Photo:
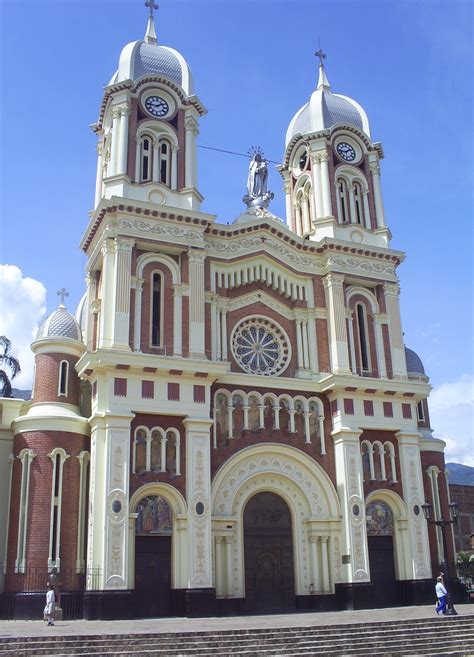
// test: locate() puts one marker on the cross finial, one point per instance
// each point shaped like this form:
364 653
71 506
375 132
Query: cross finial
322 55
151 7
62 293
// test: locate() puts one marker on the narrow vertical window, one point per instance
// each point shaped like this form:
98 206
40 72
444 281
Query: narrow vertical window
363 341
420 412
156 298
343 204
58 456
26 456
146 158
84 459
63 378
165 164
358 202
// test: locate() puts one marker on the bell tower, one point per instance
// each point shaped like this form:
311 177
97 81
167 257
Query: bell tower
331 170
147 127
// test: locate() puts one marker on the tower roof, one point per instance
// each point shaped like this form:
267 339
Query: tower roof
146 57
325 110
59 324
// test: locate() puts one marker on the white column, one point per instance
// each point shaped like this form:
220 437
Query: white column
307 432
316 162
299 344
228 564
313 542
321 434
196 260
219 566
115 141
178 320
148 453
365 196
107 309
214 427
137 161
174 167
379 210
392 302
218 334
312 339
393 467
382 464
163 441
190 174
261 416
230 422
326 190
123 143
304 330
122 292
350 321
224 334
378 321
137 284
276 415
333 284
353 217
298 227
288 203
246 409
306 222
155 169
370 451
291 413
91 295
98 179
177 443
325 562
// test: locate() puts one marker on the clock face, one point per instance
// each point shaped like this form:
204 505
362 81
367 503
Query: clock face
156 106
346 151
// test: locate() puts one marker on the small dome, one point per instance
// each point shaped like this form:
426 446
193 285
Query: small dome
60 324
325 110
414 364
141 58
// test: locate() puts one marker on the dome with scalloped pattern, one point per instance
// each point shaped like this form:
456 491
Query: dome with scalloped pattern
325 110
145 57
60 324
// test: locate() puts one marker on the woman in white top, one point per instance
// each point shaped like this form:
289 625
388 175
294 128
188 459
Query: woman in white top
441 594
48 611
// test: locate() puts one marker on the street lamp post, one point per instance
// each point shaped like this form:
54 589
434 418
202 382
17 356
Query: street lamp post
442 524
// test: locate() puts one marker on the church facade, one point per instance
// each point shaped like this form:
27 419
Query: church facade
230 422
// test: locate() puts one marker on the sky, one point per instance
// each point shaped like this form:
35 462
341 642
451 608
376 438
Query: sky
409 64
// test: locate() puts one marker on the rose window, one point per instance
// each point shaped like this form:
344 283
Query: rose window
260 347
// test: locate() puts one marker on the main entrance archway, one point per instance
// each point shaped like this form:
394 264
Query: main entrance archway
380 531
153 531
268 554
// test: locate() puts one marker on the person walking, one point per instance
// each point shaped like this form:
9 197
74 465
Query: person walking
48 611
441 594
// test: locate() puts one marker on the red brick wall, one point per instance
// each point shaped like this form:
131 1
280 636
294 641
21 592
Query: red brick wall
39 501
47 379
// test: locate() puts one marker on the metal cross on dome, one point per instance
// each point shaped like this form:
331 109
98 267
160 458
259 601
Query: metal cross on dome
322 55
62 293
151 6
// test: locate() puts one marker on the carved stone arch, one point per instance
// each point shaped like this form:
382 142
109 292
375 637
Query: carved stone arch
354 290
171 494
156 131
303 400
147 258
297 479
287 398
351 175
318 403
303 180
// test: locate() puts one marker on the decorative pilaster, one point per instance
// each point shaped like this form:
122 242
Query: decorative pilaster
196 302
288 204
392 302
123 139
137 285
191 132
333 284
98 180
107 294
198 494
178 291
114 151
380 319
316 171
123 281
379 210
325 186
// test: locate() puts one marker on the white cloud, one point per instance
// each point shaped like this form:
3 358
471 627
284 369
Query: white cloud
22 303
452 418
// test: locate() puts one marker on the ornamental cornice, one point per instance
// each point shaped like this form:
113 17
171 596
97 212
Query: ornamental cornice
258 297
166 231
352 264
246 245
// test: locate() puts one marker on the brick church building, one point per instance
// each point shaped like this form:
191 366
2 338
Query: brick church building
230 422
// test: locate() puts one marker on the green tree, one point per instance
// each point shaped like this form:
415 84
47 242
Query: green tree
10 363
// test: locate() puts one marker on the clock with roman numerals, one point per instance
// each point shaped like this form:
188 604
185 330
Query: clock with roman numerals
346 151
156 106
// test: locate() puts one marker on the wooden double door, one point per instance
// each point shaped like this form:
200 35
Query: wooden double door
152 576
268 550
382 571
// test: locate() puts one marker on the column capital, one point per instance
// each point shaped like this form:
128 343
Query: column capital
287 187
196 256
116 111
333 280
349 313
380 318
191 124
107 247
137 283
374 168
323 157
391 289
124 244
313 538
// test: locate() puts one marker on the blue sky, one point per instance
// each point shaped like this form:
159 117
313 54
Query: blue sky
409 64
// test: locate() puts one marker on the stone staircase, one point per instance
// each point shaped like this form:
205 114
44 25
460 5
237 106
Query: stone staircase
453 636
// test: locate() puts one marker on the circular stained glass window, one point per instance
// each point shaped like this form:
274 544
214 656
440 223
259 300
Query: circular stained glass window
260 346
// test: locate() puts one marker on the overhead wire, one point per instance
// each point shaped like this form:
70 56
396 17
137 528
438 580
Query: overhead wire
221 150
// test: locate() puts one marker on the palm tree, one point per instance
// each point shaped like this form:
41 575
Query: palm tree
11 363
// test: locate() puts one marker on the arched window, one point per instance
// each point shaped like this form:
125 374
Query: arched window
304 218
362 335
146 157
343 201
156 310
164 153
358 204
63 378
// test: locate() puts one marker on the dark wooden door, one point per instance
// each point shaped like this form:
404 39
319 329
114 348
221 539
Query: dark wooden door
268 545
382 570
152 576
